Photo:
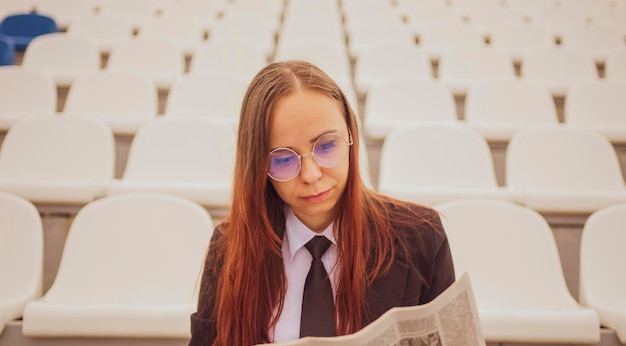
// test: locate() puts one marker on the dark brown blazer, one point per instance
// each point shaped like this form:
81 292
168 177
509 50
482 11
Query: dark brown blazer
414 279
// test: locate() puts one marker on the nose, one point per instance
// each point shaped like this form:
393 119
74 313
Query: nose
310 170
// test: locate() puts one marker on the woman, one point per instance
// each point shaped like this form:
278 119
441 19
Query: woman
297 176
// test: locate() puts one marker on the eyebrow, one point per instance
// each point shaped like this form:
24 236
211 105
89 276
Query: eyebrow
312 141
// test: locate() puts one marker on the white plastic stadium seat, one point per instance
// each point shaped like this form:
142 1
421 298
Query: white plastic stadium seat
434 163
516 39
213 96
130 268
385 63
615 68
135 12
162 61
558 69
102 30
438 38
247 28
64 11
237 58
190 157
459 69
181 31
57 160
497 109
123 100
21 256
62 55
511 255
602 279
556 19
599 106
598 41
371 33
564 170
25 93
399 103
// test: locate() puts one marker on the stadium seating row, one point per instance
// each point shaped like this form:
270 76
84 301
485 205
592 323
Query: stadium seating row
126 100
70 160
114 280
66 56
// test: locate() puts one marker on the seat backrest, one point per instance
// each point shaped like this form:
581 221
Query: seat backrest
390 62
436 155
247 27
475 63
223 56
137 249
517 38
601 257
28 24
558 64
102 30
556 19
440 37
64 11
615 68
271 10
135 12
58 149
21 249
420 15
210 95
147 56
596 103
24 90
202 13
595 39
510 253
562 158
173 28
378 30
182 150
410 100
487 16
7 50
527 7
509 102
60 51
112 93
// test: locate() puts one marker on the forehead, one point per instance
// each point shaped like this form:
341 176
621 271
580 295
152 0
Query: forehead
304 115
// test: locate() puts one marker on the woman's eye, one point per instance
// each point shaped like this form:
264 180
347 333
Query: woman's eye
326 146
283 159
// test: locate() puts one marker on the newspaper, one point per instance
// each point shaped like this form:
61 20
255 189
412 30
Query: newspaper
449 320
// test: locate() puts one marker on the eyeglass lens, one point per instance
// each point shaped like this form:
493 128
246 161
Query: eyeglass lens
328 151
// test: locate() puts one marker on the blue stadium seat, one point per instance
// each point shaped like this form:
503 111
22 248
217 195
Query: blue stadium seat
7 50
23 27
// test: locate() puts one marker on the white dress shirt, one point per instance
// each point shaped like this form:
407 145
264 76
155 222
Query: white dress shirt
297 261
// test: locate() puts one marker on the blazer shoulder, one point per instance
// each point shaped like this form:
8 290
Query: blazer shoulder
414 222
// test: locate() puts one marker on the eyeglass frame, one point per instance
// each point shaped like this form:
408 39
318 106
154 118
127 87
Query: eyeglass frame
348 141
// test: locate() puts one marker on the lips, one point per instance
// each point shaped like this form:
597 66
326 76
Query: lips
317 197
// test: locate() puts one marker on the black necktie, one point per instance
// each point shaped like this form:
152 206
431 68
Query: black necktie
317 303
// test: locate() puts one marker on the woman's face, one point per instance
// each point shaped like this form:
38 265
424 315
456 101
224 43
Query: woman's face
299 119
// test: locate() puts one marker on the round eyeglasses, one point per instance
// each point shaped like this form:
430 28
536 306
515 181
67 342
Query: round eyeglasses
329 151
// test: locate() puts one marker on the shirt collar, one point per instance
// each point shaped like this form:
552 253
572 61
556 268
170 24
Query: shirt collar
297 234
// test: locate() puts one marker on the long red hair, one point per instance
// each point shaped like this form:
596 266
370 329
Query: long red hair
251 281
